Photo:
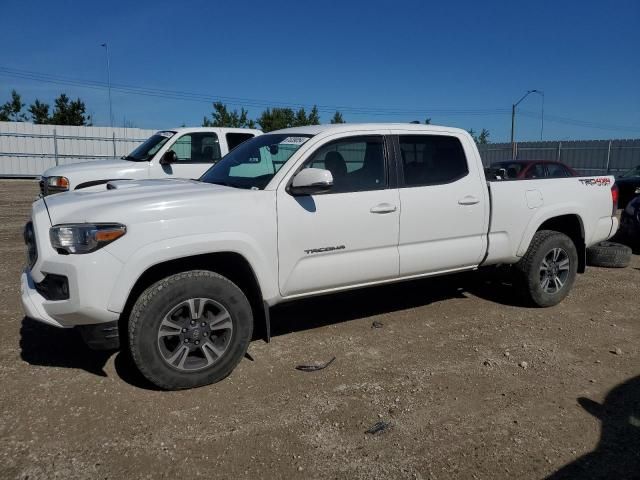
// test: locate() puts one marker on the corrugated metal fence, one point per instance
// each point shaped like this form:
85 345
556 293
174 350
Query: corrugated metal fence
27 150
590 157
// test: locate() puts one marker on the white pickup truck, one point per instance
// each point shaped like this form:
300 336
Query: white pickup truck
186 268
177 153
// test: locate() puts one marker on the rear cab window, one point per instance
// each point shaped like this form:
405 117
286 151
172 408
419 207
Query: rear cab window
236 138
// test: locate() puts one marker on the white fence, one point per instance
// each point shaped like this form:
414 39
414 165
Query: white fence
27 150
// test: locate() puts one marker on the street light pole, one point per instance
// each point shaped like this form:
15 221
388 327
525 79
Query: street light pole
542 115
513 120
106 46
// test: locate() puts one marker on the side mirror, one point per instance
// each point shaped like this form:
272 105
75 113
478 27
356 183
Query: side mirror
310 181
168 158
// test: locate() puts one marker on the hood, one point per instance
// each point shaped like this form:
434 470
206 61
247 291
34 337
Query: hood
97 165
135 201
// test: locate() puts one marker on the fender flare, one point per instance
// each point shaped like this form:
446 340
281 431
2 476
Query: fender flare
175 248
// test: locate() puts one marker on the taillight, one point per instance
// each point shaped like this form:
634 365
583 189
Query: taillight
614 199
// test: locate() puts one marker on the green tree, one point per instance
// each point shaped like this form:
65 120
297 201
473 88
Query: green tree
300 119
39 112
222 117
314 116
69 112
482 138
276 118
11 111
337 118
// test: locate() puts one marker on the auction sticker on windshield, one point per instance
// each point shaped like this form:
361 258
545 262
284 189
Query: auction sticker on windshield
294 140
166 134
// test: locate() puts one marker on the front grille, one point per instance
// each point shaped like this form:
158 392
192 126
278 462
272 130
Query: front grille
30 242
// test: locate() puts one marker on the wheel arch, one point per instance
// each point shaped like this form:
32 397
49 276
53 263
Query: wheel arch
231 265
571 225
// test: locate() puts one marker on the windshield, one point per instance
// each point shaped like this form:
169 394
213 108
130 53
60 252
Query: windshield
150 147
634 172
253 163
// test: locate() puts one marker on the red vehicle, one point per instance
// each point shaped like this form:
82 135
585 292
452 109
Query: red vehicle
523 169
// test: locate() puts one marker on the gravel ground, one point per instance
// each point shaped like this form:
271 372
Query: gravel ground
473 385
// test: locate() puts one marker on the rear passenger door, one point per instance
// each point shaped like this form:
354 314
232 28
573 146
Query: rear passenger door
444 204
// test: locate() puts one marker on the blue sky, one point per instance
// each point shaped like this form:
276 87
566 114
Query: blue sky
461 63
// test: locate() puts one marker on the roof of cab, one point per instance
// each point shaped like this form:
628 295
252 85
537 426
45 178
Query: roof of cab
349 127
211 129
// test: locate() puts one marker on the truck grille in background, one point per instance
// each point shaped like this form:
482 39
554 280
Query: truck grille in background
42 184
30 241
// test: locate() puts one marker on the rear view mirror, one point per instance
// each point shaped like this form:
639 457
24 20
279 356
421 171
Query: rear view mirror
310 181
168 158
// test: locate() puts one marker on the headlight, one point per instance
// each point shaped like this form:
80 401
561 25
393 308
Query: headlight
58 184
84 237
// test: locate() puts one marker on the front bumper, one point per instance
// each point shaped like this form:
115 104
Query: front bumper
90 279
33 302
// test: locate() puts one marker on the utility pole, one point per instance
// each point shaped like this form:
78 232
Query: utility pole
106 46
513 119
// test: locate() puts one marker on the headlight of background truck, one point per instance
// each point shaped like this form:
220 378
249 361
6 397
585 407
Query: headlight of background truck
84 237
57 184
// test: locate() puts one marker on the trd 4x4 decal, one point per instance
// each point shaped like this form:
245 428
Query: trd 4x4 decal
598 182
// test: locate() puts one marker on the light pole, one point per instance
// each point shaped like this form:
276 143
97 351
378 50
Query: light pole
541 115
106 46
513 119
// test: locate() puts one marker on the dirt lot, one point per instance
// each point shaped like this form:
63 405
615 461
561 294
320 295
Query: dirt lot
446 368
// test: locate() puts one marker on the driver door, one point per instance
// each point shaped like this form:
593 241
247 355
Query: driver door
348 235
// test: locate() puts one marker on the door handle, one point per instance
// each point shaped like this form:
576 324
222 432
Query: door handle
383 208
468 200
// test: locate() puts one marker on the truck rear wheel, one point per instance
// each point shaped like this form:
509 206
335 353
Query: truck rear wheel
547 271
189 329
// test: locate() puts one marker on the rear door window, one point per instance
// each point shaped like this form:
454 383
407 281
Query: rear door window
432 159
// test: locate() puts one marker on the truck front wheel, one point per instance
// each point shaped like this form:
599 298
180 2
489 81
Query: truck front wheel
547 271
189 329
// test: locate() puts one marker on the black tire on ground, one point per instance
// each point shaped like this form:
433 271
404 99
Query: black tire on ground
543 279
154 335
609 254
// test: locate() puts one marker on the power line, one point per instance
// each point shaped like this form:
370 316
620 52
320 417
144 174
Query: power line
246 102
579 123
258 103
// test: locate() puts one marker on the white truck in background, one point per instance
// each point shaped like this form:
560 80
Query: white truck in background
176 153
185 268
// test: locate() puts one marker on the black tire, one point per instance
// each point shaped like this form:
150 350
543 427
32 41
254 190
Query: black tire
609 254
154 307
531 273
